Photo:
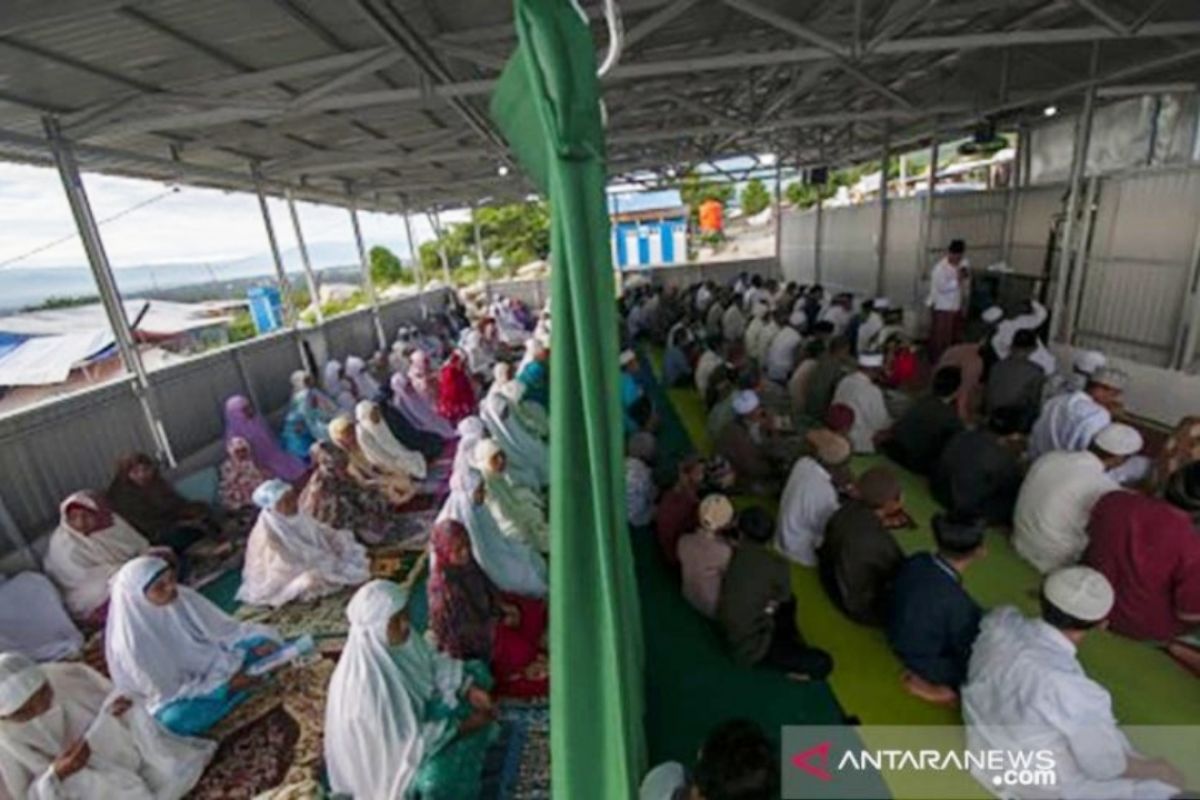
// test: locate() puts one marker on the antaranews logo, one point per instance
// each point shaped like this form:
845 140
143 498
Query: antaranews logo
930 763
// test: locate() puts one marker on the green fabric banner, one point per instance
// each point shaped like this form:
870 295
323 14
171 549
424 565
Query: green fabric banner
548 106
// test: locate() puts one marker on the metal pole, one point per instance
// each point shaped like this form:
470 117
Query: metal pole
927 218
106 284
883 209
1010 209
415 257
285 287
368 283
436 223
1081 253
1186 348
313 293
817 236
778 214
1083 136
479 258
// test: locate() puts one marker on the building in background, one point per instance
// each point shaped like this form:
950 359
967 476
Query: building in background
648 229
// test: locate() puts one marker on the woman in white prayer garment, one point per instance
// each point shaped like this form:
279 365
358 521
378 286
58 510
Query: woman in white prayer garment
33 621
403 720
64 734
292 556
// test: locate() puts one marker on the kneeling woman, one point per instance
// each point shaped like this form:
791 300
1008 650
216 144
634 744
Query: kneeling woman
172 648
291 556
65 733
403 720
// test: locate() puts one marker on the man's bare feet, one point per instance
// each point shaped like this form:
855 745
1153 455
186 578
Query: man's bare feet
929 692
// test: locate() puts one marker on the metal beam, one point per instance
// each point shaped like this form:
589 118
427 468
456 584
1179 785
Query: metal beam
899 23
436 223
106 285
883 210
789 26
368 283
367 66
290 312
314 294
655 21
1102 14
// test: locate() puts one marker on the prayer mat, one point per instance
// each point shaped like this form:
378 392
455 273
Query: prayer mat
323 619
413 528
518 764
273 741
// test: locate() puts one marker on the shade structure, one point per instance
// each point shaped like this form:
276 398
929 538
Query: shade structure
547 105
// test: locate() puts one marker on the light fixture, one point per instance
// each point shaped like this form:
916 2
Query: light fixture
502 170
671 172
1049 111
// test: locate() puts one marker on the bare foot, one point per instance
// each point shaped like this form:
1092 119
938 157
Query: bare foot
1188 656
929 692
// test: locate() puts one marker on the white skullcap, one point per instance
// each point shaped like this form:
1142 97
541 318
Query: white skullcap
797 319
716 512
1081 592
881 302
628 357
992 315
1088 361
870 360
1110 377
1118 439
745 402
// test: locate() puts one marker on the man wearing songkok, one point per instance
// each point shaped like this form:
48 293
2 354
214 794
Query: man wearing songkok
1051 516
704 554
1026 691
919 436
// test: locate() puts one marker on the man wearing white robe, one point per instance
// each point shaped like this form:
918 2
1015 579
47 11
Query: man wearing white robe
47 711
1026 691
733 323
810 497
784 348
859 391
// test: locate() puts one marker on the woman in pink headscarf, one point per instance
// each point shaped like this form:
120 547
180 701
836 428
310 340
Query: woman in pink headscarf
417 410
241 420
422 377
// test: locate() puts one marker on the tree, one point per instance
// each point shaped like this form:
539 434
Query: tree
385 266
755 198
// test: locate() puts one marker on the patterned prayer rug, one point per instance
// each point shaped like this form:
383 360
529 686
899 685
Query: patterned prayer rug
273 741
518 765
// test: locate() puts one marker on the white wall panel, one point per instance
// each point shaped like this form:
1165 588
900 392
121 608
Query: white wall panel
796 249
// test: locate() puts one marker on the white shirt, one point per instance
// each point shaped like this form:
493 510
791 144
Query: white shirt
945 290
762 342
838 316
733 324
1026 691
756 295
705 367
809 499
781 353
870 411
1051 516
869 329
1006 329
750 335
1067 422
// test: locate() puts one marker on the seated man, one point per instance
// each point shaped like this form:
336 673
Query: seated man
1149 551
859 557
1051 516
979 470
828 372
679 507
932 621
748 444
919 436
756 610
708 362
1026 690
704 554
860 391
736 761
1071 421
1016 382
810 497
785 347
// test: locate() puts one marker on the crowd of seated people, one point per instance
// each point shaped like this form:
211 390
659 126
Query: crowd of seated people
304 504
1003 438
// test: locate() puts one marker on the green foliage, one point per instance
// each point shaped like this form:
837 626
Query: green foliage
386 268
755 197
515 234
52 303
695 190
804 195
241 327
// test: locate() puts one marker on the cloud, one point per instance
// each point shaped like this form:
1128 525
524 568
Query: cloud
188 225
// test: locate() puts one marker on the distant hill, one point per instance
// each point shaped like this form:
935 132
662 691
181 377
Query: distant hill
23 287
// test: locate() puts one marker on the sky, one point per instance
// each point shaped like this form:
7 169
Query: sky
185 226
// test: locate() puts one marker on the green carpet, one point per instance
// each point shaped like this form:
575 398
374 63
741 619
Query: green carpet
1147 686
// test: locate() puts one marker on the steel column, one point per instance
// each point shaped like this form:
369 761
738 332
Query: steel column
778 214
313 292
436 223
479 257
290 314
1190 329
883 210
368 283
106 284
415 257
1083 137
817 237
1014 181
1081 254
927 216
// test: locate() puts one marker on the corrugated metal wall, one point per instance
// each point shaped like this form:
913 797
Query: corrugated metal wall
1135 283
977 218
1037 209
796 248
849 237
902 275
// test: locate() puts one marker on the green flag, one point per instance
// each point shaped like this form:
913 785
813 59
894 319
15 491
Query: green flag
548 106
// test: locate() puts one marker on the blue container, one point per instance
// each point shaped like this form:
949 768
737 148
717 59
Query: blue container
266 309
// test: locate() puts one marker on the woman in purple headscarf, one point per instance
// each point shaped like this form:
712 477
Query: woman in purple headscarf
416 409
242 420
